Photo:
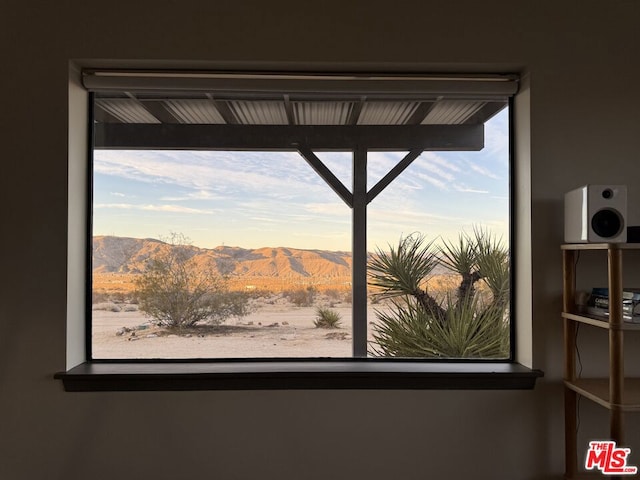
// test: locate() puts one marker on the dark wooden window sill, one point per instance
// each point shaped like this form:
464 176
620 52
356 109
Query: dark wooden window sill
296 374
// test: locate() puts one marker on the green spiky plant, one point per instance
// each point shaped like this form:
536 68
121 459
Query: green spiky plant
470 322
327 318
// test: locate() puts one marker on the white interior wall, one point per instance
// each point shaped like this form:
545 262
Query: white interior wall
581 61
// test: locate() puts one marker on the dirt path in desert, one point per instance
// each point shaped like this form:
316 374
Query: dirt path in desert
270 331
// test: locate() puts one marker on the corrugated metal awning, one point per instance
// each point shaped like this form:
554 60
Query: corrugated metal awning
198 111
255 101
296 99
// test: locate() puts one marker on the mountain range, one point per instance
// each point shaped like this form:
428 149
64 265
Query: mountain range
128 255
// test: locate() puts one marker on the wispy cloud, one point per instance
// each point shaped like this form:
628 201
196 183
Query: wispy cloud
440 184
196 195
211 175
411 217
497 135
434 158
435 170
332 209
267 219
463 189
176 209
482 170
154 208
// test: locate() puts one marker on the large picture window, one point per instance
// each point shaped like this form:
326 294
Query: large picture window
300 216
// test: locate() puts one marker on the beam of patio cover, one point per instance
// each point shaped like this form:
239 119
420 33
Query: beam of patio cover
328 176
288 137
392 174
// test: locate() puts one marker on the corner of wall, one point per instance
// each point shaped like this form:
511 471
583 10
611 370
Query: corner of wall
77 171
522 218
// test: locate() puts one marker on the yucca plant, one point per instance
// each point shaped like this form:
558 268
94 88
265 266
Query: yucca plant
401 272
327 318
467 323
492 261
469 331
462 258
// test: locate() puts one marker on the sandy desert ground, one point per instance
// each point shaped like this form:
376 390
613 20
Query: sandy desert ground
272 330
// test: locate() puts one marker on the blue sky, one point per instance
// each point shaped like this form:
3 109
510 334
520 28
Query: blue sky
274 199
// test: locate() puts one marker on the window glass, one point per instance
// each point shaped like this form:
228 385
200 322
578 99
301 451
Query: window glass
258 236
229 227
450 212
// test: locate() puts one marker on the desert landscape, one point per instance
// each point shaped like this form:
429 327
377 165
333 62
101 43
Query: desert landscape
285 286
271 330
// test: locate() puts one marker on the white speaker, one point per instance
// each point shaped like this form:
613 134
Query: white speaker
596 214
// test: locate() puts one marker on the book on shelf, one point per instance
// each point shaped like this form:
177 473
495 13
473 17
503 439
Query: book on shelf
598 304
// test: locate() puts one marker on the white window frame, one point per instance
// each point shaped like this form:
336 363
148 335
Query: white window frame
86 373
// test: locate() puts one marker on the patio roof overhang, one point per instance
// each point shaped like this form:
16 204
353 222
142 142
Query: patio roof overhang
220 111
289 137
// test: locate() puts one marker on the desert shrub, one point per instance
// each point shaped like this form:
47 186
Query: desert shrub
327 318
470 321
347 297
119 297
301 297
178 293
333 293
106 306
99 297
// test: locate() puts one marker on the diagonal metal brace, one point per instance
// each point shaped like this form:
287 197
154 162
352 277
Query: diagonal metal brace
326 174
393 174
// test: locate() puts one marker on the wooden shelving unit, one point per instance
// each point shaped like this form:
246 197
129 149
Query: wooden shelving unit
615 392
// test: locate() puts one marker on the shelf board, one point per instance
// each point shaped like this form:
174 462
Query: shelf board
600 246
600 322
597 390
